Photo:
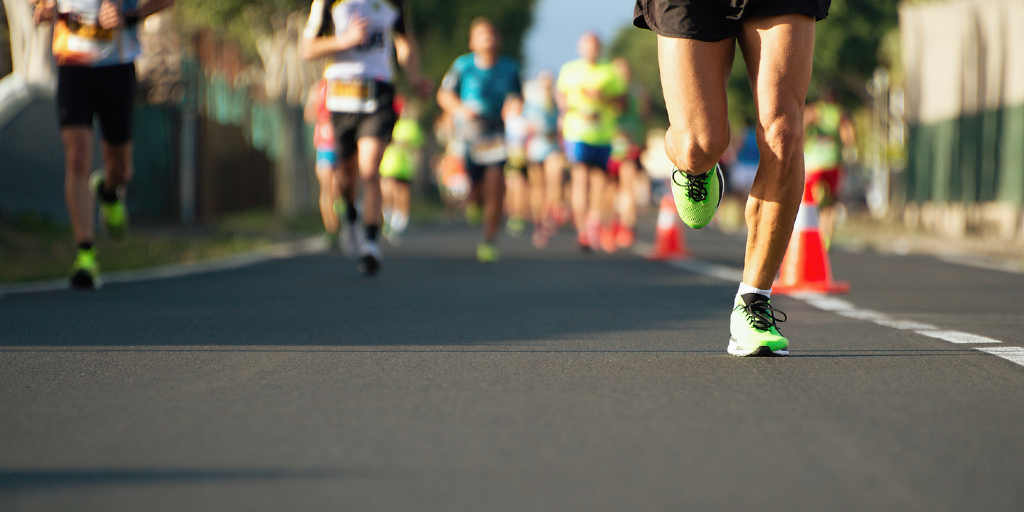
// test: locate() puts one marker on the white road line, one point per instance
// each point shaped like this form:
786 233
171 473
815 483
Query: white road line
1012 354
958 337
847 309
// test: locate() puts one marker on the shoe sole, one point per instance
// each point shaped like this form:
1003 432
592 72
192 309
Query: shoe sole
368 265
760 351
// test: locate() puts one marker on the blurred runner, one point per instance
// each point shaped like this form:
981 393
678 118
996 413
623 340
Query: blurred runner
624 166
95 44
696 50
359 37
397 170
331 204
517 197
545 171
588 90
827 132
474 92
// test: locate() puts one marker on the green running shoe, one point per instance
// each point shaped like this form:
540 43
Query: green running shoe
486 253
697 197
113 214
85 273
753 328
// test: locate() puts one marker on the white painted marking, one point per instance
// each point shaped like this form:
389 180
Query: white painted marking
1012 354
906 325
958 337
844 308
709 269
998 264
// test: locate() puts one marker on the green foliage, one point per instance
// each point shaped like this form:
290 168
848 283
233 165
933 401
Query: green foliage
240 20
442 28
846 50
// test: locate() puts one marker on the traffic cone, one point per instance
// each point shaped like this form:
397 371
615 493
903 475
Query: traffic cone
805 268
669 241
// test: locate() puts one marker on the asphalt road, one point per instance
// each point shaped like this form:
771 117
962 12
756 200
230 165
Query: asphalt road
549 381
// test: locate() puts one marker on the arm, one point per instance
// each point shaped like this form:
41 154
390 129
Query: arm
353 35
407 52
111 16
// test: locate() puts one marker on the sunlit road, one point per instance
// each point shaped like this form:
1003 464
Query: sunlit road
550 381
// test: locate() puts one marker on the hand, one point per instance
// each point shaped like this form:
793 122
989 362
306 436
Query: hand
355 32
44 11
110 16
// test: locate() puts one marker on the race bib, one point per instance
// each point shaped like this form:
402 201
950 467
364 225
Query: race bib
352 95
79 40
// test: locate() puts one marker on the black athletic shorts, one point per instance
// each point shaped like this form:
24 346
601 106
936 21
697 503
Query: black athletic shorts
106 92
715 20
349 127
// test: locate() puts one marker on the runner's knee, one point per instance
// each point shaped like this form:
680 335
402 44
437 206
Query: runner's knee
695 151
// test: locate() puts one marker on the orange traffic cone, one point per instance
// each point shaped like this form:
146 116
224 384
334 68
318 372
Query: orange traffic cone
805 268
669 241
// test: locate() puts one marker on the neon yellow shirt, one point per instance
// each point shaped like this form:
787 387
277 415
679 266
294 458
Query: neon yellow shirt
590 119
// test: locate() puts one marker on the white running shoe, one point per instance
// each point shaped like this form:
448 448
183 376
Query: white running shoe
369 258
351 239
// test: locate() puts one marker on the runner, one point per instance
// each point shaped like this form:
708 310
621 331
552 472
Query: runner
397 170
331 204
827 133
696 46
359 36
587 91
474 92
545 168
625 165
95 45
517 195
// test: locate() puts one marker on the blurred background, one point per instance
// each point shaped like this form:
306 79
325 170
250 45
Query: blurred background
934 88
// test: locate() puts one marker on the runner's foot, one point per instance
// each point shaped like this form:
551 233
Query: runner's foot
351 238
369 258
85 273
113 213
697 197
486 253
753 328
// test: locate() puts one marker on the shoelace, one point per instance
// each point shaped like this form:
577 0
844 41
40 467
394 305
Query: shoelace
696 190
761 315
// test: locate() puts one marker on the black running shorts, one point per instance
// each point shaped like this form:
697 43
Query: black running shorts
715 20
350 127
106 92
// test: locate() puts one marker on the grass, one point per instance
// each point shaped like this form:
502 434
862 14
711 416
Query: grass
34 248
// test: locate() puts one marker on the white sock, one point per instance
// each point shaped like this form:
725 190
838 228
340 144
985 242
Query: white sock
746 288
399 221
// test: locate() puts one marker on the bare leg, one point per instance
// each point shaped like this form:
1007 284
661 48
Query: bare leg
778 52
627 193
77 196
579 177
494 195
117 163
329 191
693 76
371 151
599 207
